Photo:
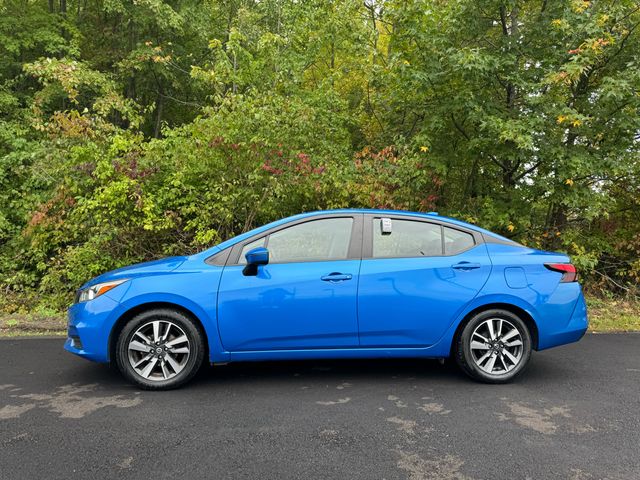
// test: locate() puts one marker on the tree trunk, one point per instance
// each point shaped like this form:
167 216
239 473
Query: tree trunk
131 86
510 30
159 107
234 87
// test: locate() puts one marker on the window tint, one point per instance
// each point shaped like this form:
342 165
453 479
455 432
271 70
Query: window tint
326 239
407 239
249 246
456 241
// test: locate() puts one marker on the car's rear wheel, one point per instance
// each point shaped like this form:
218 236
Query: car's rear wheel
160 349
494 346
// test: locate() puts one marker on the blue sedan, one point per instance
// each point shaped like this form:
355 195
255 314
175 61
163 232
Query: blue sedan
333 284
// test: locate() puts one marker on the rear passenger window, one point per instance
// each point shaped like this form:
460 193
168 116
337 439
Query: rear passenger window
456 241
407 239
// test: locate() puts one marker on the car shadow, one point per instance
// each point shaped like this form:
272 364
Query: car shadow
374 370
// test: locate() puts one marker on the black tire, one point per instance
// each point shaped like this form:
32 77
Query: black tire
192 364
466 360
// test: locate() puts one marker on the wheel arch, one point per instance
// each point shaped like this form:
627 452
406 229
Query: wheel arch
143 307
516 310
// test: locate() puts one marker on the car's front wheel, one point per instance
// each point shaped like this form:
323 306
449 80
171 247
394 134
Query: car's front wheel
160 349
494 346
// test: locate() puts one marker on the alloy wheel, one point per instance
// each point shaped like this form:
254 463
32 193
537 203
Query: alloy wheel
158 350
496 346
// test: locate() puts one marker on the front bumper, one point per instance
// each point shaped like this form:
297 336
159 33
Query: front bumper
88 328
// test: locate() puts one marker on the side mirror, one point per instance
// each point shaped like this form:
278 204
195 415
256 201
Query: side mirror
255 257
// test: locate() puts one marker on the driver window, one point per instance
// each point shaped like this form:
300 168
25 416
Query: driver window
316 240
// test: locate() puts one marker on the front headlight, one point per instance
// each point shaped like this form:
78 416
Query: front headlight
96 290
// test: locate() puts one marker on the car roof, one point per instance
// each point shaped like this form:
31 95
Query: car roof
432 215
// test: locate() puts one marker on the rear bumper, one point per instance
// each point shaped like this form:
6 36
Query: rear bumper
88 328
573 331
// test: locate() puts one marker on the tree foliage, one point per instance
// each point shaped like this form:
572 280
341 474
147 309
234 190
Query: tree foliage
135 129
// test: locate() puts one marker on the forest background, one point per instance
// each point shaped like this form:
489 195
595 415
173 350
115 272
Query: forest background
136 129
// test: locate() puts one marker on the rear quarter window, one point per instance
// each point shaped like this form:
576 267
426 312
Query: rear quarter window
456 241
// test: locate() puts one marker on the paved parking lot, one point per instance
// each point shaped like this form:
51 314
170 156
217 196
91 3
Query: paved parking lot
575 414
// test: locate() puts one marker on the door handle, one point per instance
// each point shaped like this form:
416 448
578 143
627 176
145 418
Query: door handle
336 277
464 266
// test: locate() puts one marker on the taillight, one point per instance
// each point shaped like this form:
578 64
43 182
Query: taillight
569 273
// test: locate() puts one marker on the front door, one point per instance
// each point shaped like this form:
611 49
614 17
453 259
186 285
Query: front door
305 297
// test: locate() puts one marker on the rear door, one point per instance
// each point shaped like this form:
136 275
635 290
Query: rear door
416 277
305 298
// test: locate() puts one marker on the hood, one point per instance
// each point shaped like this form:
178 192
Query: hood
155 267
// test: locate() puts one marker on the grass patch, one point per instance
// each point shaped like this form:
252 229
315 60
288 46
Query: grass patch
17 324
613 315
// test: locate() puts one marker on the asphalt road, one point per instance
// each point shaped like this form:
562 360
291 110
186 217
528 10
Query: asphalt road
575 414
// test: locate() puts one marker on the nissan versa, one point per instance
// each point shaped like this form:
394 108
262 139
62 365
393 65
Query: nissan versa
333 284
